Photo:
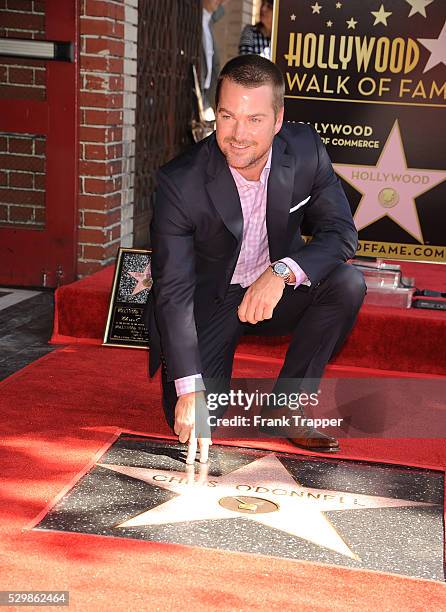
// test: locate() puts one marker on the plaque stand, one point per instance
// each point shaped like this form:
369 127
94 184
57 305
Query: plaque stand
385 284
126 322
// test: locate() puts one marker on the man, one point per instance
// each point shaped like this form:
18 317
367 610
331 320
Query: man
225 211
213 10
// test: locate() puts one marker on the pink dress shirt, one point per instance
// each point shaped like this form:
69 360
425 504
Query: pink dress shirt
254 258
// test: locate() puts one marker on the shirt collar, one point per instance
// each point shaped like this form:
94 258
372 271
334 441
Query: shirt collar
244 183
206 16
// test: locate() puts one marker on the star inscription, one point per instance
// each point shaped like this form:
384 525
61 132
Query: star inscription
351 24
381 15
329 23
418 7
316 8
293 17
437 47
338 5
390 188
275 499
144 279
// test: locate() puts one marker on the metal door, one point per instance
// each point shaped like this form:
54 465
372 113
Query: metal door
38 143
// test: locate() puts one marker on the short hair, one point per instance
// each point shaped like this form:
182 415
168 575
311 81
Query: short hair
253 71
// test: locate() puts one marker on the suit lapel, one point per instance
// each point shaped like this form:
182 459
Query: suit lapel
224 195
223 192
280 191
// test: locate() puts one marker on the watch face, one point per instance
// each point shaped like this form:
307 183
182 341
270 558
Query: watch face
281 268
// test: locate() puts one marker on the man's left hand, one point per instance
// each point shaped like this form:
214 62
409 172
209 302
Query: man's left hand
261 298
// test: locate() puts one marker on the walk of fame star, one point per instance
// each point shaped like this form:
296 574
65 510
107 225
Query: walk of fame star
262 491
390 188
144 279
437 48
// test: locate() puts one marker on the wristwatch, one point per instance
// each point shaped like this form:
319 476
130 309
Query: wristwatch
282 270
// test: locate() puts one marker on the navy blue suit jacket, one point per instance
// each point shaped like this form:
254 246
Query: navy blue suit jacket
197 229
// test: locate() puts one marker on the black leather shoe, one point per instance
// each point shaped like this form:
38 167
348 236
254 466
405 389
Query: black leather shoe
279 422
312 439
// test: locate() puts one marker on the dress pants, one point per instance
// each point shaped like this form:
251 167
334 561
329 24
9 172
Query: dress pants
319 318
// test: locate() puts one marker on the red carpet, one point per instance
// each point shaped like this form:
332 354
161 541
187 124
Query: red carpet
60 411
384 338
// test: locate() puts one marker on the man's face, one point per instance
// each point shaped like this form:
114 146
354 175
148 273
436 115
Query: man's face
246 126
266 15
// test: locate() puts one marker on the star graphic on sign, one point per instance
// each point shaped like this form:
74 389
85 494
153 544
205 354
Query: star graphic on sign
351 23
338 5
381 15
437 47
418 6
144 280
262 491
329 24
293 17
316 8
390 188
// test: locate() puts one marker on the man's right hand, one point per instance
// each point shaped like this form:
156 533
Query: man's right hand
192 425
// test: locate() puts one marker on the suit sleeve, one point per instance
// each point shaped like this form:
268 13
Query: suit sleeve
334 235
173 273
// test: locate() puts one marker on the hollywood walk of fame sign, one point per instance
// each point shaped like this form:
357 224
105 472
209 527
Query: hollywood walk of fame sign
370 77
132 282
340 512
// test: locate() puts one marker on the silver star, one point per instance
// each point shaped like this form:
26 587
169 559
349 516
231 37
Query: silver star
329 24
316 8
293 17
297 510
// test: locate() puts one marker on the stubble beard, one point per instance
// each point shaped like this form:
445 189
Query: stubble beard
250 162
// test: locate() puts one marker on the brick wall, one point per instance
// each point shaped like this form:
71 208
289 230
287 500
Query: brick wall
107 107
22 19
129 120
107 102
227 30
22 78
22 180
22 156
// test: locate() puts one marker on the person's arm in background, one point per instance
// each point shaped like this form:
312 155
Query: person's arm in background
246 44
218 13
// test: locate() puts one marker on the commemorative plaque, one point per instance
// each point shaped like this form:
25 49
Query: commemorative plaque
131 287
